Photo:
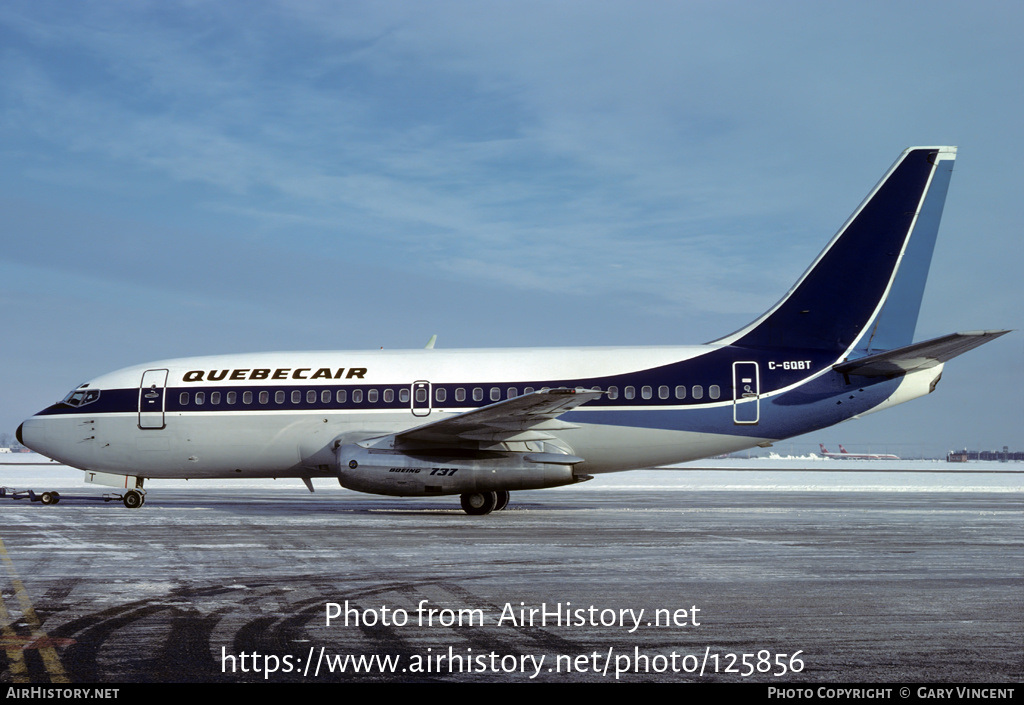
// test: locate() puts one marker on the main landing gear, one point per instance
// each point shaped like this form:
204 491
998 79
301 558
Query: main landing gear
480 503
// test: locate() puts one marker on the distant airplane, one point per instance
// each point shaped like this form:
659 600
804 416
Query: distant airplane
482 423
844 454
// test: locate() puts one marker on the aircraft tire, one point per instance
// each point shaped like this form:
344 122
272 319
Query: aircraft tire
133 499
49 497
502 497
478 503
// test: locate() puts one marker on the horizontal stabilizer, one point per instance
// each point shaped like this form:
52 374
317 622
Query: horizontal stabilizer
918 356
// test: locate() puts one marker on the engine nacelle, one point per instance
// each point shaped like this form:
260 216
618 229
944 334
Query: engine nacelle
392 472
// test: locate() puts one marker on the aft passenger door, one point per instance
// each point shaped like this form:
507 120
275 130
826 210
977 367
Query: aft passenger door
152 391
746 393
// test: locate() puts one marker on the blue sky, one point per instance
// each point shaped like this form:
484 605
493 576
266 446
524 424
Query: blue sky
210 177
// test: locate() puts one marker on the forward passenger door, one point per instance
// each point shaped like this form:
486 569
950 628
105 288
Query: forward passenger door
152 393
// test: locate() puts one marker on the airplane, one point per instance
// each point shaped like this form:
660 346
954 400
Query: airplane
844 454
483 423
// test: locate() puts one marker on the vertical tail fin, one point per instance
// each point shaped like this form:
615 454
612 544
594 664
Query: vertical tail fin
895 323
866 285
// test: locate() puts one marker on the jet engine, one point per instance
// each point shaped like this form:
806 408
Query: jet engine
430 472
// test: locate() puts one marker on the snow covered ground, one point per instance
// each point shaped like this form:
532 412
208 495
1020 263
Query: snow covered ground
782 474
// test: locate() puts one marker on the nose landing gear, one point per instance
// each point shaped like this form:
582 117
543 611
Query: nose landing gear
133 499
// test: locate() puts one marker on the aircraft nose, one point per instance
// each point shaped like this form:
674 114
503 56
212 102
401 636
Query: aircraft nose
29 433
34 435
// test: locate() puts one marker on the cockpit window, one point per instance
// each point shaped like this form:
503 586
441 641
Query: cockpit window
81 397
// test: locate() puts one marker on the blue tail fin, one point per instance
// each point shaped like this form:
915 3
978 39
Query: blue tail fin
864 290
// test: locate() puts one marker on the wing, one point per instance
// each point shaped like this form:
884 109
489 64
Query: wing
524 418
500 447
930 353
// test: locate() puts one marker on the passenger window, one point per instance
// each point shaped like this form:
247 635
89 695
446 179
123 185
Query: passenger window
279 396
232 397
714 392
698 391
512 393
403 395
421 395
613 392
357 396
341 396
680 391
663 392
215 397
296 396
325 396
200 398
629 392
495 394
264 397
389 395
371 396
183 398
247 397
460 394
528 390
311 396
440 394
645 392
478 394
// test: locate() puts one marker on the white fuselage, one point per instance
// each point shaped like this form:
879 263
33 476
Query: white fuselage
282 414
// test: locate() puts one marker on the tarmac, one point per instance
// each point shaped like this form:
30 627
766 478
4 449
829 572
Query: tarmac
716 575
